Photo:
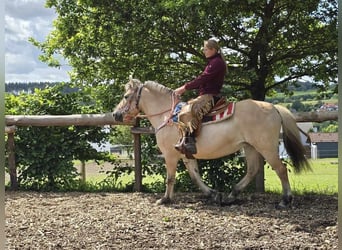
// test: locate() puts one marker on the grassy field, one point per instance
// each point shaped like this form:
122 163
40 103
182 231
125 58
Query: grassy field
323 179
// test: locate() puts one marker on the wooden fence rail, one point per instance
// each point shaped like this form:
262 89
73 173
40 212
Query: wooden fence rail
63 120
107 119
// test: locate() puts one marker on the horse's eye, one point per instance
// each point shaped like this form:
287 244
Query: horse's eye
126 96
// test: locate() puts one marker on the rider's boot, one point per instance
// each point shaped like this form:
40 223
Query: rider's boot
190 144
187 143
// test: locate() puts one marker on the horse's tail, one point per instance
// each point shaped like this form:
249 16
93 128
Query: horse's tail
292 142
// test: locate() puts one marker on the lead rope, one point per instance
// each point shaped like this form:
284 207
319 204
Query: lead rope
173 105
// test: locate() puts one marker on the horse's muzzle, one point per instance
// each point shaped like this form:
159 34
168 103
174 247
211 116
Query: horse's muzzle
118 116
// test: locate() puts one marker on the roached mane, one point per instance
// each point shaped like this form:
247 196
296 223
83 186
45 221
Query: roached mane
157 87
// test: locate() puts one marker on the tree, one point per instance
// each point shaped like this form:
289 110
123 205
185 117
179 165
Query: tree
332 128
268 44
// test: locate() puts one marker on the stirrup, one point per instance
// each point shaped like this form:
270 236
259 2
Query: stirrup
180 144
187 145
191 147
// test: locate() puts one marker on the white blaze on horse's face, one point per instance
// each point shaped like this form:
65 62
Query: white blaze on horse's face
127 109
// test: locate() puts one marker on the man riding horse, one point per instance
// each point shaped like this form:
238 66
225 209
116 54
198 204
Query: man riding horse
209 84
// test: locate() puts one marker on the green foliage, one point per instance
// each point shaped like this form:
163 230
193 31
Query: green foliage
331 128
269 44
122 135
44 155
327 127
222 174
111 182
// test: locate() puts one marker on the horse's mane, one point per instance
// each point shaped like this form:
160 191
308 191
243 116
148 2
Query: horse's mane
157 87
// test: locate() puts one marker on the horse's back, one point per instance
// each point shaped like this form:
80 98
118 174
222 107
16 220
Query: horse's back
257 118
250 104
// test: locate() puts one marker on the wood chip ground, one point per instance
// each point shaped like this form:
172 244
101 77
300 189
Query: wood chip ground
134 221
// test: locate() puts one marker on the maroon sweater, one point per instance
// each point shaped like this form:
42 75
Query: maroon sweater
211 79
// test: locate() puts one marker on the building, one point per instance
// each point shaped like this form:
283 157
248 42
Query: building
328 107
324 145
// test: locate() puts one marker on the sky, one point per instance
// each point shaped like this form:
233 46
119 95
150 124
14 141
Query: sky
25 19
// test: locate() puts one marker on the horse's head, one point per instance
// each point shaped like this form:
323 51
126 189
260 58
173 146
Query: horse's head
128 108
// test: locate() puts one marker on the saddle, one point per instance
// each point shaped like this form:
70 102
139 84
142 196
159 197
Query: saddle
220 111
219 107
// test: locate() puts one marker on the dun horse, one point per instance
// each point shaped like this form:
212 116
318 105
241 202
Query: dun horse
255 127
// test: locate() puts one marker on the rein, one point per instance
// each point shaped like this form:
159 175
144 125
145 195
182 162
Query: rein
173 105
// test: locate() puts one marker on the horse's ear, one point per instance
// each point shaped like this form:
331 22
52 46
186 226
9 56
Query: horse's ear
133 83
130 83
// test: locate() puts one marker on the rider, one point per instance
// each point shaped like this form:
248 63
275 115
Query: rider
208 84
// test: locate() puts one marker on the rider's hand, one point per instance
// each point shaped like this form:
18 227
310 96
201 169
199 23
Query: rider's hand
179 91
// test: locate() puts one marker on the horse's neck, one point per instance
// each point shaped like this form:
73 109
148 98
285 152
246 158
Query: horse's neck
157 106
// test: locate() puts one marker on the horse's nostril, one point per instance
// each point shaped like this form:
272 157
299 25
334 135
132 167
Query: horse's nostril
118 116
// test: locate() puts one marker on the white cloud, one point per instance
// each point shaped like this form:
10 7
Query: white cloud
25 19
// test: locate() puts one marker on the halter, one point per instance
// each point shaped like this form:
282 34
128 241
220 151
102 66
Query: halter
139 96
173 105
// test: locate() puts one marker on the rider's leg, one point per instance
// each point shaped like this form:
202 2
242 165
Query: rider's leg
187 141
189 120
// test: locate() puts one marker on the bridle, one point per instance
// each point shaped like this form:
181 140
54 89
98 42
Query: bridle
173 105
138 96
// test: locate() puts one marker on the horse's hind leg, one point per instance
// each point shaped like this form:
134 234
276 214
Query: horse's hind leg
254 160
192 167
281 170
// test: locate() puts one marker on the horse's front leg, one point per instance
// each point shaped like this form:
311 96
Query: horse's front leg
171 167
192 166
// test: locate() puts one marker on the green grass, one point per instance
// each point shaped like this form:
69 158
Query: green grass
125 179
323 179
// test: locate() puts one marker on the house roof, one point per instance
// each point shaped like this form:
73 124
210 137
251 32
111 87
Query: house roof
305 126
323 137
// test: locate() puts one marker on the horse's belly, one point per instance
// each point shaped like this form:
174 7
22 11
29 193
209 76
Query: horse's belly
212 143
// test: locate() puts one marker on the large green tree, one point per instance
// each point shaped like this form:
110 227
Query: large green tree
268 43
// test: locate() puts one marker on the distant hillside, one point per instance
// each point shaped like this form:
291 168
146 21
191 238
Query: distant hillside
304 94
18 87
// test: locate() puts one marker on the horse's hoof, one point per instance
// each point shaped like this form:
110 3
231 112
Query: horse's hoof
217 198
229 201
281 206
163 201
286 203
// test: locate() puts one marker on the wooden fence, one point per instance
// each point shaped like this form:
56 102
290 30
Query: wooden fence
107 119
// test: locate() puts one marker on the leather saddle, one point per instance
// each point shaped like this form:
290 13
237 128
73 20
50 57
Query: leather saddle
219 107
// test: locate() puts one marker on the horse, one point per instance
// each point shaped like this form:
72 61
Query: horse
255 128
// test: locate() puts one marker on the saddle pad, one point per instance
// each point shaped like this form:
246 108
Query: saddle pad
176 111
225 114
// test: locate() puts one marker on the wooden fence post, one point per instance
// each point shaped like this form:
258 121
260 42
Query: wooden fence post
11 162
260 178
137 160
83 171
